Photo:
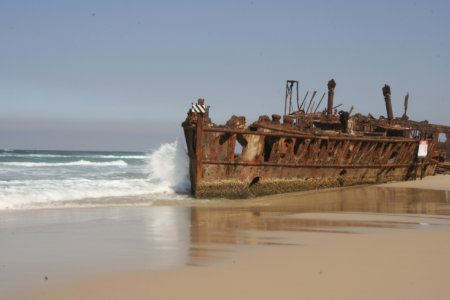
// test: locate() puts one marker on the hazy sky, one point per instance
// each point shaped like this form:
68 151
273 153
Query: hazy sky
121 75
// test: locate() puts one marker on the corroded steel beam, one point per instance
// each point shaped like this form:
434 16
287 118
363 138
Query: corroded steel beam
311 165
331 86
387 99
292 133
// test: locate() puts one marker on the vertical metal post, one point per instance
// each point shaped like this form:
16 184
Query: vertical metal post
199 146
405 116
387 99
331 86
288 96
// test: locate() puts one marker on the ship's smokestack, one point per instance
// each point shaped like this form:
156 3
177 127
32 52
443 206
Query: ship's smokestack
331 86
387 99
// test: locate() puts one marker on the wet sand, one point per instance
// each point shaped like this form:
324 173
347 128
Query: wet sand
378 242
438 182
388 265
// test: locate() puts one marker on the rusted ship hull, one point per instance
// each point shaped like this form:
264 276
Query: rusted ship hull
269 157
292 162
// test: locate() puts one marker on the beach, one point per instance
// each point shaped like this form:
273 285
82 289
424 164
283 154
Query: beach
209 150
387 241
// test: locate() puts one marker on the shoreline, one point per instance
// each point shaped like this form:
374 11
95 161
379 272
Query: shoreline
436 182
251 251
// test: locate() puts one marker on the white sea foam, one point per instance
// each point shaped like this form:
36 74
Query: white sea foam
34 155
117 163
169 167
26 194
123 156
163 176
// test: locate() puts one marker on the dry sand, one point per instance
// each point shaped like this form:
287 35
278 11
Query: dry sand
408 260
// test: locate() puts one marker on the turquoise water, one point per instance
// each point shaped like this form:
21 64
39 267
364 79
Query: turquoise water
46 178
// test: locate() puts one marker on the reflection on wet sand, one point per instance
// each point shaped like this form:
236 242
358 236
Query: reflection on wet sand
239 223
366 199
65 244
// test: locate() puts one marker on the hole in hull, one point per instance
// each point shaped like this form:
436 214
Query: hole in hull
254 181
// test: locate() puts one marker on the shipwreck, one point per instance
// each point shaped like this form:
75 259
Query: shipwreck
307 149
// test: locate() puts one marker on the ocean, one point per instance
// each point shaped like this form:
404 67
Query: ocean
45 178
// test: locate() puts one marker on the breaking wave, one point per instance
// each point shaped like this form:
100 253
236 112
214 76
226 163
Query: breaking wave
169 167
159 174
117 163
10 154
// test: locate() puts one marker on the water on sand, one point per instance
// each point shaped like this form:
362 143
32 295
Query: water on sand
39 244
